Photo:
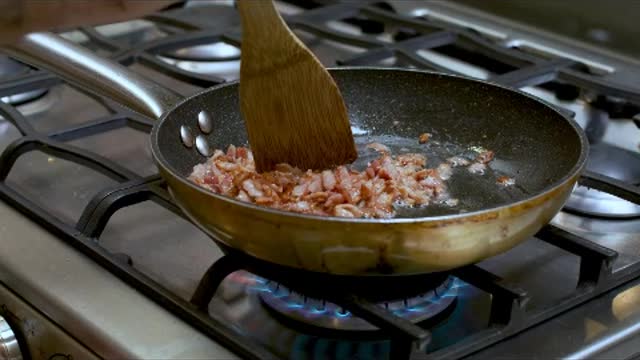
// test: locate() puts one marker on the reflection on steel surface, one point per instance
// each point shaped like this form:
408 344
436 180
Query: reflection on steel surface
626 303
9 348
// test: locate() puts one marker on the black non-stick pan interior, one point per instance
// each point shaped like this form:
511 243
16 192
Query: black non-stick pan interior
533 143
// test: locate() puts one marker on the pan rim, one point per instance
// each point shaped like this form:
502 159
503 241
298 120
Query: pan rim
575 170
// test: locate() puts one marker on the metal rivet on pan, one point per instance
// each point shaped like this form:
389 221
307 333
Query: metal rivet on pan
203 146
186 136
204 121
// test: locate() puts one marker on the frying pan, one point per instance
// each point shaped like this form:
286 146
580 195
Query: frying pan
540 148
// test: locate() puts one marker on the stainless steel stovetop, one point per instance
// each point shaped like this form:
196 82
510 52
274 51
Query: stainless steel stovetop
53 289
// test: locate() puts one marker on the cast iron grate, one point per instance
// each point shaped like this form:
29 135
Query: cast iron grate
515 68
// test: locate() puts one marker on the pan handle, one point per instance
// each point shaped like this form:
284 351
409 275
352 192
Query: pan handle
100 76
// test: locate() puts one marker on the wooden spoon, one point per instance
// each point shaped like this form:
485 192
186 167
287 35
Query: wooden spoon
292 108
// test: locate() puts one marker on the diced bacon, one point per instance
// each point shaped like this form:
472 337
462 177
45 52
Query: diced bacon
366 189
342 176
413 159
300 189
263 200
214 169
334 199
419 198
452 202
384 149
354 195
456 161
225 183
243 196
301 206
242 153
385 173
316 183
216 154
250 187
239 177
226 166
320 196
431 181
506 181
209 179
387 169
231 152
382 213
370 172
485 156
328 180
445 171
199 171
287 169
387 182
419 175
347 210
384 200
378 186
283 180
477 168
375 166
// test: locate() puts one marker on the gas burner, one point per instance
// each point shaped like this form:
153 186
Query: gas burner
25 97
228 70
326 315
617 163
218 57
199 14
216 52
10 68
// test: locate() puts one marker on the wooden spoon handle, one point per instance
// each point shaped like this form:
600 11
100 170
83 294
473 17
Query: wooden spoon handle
268 44
293 110
260 18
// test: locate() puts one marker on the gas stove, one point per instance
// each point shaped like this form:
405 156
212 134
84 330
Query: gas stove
97 262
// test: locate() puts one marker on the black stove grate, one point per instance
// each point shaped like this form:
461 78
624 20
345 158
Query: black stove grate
510 67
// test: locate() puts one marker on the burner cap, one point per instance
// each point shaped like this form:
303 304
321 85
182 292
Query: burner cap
200 17
617 163
591 202
10 68
326 315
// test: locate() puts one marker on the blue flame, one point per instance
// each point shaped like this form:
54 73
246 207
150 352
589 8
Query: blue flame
315 310
457 283
454 285
260 288
448 295
261 285
292 301
404 311
294 305
416 308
